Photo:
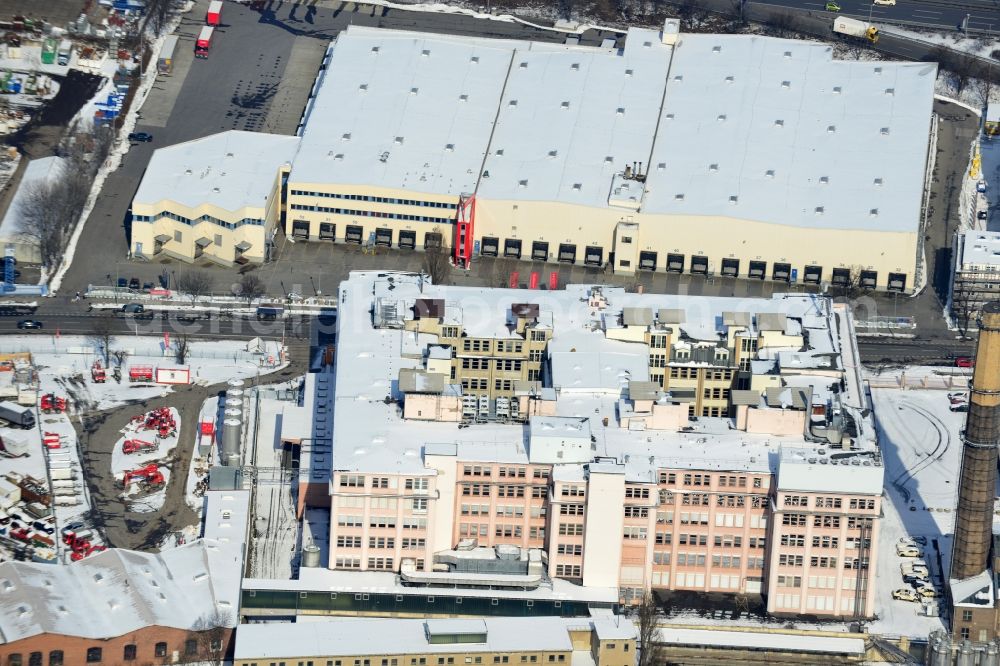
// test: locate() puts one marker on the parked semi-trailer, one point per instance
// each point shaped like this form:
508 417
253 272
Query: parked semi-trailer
214 14
204 42
18 415
855 28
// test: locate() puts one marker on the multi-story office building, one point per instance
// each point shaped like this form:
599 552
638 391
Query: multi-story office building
665 152
975 277
663 442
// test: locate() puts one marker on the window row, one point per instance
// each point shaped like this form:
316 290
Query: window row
253 221
365 197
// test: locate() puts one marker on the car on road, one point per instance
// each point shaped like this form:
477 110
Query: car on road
134 308
140 137
959 407
832 7
904 594
965 362
891 3
981 215
26 324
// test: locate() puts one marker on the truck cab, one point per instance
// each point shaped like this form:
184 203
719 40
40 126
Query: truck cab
204 42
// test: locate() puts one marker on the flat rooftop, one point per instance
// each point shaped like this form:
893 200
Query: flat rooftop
230 170
398 636
978 250
317 579
776 130
370 435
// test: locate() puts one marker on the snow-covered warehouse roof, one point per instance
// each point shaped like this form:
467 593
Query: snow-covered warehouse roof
119 591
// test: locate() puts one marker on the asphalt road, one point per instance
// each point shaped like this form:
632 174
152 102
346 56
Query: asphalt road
945 14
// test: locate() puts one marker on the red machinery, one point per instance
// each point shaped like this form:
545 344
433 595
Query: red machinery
52 404
81 547
97 373
150 476
52 440
140 373
20 534
131 446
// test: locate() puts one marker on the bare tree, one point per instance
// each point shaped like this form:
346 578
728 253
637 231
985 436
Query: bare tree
983 82
251 287
194 283
120 355
648 619
782 24
102 335
182 347
436 263
210 634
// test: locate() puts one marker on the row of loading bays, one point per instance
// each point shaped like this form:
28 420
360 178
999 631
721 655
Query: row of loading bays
699 265
355 234
594 256
512 248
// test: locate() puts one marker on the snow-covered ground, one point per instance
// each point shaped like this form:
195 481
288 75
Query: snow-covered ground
977 46
161 451
990 152
64 365
921 446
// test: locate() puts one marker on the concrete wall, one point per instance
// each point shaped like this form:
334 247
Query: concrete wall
145 233
714 237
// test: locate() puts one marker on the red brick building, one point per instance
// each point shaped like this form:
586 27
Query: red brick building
122 607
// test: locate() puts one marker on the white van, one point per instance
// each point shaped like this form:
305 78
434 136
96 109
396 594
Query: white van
891 3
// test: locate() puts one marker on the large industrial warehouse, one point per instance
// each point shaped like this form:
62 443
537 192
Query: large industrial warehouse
675 152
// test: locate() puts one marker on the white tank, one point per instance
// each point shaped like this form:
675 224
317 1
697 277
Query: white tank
310 555
234 403
232 430
234 394
235 383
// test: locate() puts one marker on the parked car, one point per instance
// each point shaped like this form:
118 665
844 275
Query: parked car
981 215
74 526
134 284
146 286
140 137
904 594
928 592
26 324
915 579
915 540
965 362
959 406
122 283
906 550
43 527
832 7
